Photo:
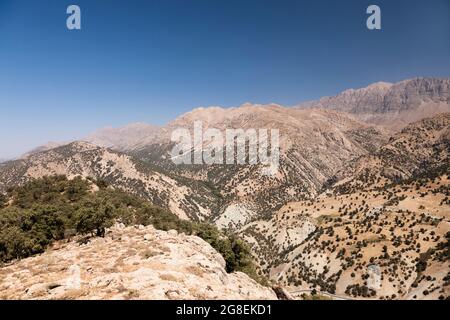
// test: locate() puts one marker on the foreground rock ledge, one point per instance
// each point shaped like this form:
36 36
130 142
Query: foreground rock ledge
129 263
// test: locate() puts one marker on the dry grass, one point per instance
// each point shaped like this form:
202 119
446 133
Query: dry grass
149 253
195 270
169 277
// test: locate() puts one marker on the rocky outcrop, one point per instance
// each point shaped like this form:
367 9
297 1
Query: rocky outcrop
391 105
129 263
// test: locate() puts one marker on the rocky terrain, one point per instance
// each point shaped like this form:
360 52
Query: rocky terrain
128 263
385 237
334 243
358 209
391 105
420 149
314 144
118 169
124 139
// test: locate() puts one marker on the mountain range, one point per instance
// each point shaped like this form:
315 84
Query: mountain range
389 105
357 206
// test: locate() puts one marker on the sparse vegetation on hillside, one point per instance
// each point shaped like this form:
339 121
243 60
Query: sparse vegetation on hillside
54 208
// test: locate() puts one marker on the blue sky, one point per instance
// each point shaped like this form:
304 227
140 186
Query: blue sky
150 61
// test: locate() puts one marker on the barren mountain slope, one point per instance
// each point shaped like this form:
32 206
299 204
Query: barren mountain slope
129 263
391 105
314 144
126 138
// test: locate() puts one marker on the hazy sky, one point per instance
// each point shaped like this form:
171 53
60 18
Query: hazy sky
150 61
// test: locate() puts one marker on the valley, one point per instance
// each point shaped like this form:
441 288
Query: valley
358 208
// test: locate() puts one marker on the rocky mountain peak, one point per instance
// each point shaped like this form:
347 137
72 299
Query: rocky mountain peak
392 106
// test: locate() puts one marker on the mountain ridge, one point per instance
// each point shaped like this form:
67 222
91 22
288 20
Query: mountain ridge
358 206
423 96
392 106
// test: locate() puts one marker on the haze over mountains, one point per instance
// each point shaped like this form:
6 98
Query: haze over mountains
360 198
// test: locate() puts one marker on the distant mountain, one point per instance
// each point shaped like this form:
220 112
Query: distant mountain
48 146
317 145
125 138
129 263
314 144
391 105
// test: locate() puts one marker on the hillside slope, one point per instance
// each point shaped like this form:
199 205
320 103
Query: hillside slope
118 170
129 263
366 237
314 144
420 149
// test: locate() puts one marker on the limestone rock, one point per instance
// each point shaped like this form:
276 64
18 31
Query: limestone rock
145 264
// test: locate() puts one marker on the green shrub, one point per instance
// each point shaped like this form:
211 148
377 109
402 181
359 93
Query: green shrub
46 209
27 232
94 213
234 251
14 244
